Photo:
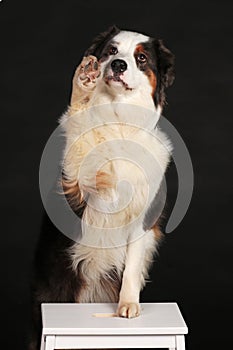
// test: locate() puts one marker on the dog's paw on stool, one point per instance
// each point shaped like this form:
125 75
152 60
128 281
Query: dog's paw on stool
128 310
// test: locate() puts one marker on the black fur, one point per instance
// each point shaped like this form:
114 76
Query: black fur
100 42
165 68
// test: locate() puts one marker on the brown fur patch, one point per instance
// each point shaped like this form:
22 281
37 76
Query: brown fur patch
157 232
139 49
148 71
73 194
152 79
104 180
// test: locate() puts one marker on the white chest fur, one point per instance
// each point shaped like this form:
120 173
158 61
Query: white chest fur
118 141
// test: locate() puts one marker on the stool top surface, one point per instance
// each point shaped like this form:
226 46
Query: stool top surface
100 319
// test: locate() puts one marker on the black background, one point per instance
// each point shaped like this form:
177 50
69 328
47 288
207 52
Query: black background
41 43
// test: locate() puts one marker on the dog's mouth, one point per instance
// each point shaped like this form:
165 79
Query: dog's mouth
116 77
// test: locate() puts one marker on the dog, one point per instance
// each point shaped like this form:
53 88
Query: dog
111 134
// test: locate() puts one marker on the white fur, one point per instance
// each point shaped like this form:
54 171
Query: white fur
113 235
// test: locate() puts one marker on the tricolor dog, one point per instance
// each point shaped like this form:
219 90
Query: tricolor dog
113 165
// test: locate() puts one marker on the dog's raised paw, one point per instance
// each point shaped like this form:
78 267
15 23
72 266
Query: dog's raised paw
87 72
128 310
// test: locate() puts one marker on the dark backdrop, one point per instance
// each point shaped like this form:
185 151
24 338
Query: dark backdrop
40 47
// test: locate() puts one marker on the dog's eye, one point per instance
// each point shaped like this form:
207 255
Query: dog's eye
141 58
113 50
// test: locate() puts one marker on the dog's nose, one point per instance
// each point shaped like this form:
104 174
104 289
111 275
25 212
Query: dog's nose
119 66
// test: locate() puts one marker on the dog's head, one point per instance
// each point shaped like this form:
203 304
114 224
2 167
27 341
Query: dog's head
132 61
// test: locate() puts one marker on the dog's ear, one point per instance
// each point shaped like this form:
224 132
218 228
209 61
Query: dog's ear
100 41
165 63
165 71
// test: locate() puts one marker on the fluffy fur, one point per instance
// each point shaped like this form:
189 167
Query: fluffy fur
119 84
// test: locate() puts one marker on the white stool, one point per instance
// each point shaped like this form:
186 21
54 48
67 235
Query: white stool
95 326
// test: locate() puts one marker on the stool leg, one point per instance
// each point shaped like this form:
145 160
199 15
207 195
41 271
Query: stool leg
180 343
50 342
42 344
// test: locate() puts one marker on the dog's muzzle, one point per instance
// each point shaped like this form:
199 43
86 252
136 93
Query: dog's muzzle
118 66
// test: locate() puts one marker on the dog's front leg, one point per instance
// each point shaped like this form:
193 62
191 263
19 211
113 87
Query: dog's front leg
128 305
84 83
